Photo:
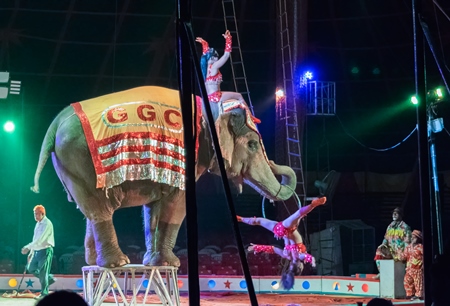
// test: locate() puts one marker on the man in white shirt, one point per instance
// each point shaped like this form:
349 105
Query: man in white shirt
41 250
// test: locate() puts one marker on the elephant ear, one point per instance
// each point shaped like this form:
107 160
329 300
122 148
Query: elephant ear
227 126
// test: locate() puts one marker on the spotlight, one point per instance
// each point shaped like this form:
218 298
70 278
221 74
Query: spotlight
9 126
435 96
414 100
308 75
279 95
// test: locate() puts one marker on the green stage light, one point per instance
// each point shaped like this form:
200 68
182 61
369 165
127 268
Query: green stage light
439 93
414 100
9 126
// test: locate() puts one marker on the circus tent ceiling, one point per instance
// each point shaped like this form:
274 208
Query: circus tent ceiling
67 51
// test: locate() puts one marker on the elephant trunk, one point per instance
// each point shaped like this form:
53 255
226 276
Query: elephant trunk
288 181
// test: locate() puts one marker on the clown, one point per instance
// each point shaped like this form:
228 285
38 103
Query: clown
294 249
396 238
413 255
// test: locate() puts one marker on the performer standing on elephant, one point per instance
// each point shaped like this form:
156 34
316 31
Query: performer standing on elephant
413 254
396 238
210 64
41 250
294 249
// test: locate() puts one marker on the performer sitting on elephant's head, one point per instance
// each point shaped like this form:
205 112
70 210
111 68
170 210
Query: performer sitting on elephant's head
210 64
294 249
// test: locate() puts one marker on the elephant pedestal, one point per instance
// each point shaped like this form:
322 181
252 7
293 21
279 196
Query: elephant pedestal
98 282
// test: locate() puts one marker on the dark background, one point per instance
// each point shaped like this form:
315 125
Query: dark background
68 51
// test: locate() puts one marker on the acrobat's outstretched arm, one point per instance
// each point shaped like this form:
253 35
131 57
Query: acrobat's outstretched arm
269 249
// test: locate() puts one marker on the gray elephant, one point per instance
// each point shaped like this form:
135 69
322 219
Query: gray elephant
140 162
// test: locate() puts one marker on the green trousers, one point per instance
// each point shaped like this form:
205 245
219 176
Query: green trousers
40 267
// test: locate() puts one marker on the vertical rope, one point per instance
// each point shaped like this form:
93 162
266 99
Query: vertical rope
114 50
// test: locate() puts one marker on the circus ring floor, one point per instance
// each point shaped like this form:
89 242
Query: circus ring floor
231 290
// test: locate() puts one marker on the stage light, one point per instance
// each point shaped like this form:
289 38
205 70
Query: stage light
9 126
435 96
279 95
414 100
355 70
308 75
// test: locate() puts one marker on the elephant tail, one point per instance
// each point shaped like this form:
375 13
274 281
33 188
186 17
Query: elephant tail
48 146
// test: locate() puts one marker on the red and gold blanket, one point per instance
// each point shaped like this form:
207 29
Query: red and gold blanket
136 134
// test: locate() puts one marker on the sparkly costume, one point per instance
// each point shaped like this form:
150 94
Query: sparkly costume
413 280
213 79
217 78
259 248
280 231
299 247
397 237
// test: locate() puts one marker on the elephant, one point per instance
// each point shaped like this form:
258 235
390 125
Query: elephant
159 190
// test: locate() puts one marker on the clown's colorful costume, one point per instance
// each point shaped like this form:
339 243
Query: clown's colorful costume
413 280
397 237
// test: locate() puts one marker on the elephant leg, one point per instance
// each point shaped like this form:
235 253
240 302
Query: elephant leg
89 245
171 216
109 254
166 238
150 213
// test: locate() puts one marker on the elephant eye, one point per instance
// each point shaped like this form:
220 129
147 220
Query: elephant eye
253 145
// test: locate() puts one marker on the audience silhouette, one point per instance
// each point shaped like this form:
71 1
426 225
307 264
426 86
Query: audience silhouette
62 297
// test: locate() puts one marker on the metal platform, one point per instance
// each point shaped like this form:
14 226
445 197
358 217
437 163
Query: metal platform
99 282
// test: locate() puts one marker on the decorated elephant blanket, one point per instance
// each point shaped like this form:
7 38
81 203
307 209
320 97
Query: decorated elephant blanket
136 134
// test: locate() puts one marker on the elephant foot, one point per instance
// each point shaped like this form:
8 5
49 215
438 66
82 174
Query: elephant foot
90 256
113 261
163 258
147 258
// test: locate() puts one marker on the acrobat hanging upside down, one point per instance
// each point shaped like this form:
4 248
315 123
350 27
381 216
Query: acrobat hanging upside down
294 249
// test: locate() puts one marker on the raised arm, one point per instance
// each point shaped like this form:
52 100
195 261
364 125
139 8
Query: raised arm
226 55
269 249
